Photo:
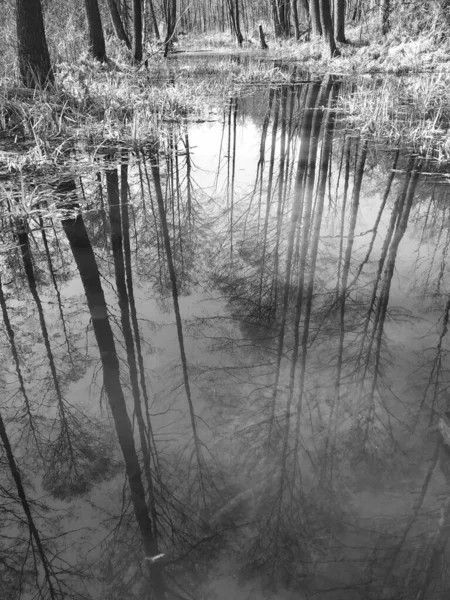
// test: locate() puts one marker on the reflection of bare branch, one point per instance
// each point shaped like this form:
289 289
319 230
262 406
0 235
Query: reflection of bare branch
413 518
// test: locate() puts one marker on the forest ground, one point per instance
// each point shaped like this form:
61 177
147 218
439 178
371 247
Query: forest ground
402 96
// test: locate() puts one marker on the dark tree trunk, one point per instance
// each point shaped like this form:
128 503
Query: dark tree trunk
34 59
339 20
96 39
385 14
137 26
117 23
149 4
80 244
262 39
233 10
327 27
171 18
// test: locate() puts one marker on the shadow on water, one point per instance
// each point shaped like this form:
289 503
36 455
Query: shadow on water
226 352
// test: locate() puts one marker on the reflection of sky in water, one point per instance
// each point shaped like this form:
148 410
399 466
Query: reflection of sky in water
231 366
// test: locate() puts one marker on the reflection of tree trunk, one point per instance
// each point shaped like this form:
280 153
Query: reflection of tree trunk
395 215
112 184
80 244
308 196
24 242
387 279
269 196
437 554
378 219
49 575
155 219
281 195
346 152
231 165
262 151
15 355
154 157
55 285
305 137
135 323
359 172
188 182
412 520
327 144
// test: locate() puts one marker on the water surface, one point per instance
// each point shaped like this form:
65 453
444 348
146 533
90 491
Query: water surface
265 295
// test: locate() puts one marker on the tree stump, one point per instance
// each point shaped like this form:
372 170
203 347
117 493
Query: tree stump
262 39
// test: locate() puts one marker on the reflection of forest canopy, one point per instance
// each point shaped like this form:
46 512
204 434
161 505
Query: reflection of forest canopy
296 420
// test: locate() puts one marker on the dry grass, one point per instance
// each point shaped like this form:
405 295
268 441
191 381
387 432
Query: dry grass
402 110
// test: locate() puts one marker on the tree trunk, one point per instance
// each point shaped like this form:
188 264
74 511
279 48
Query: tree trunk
385 13
296 21
96 39
339 20
314 13
327 27
234 20
262 39
34 59
171 18
149 4
137 26
117 23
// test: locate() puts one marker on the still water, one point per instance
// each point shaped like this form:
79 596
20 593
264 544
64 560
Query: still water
227 345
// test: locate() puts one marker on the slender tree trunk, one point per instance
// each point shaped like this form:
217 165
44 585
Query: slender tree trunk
302 165
96 39
385 16
233 10
34 59
112 183
137 27
327 27
154 20
117 23
154 157
296 20
339 20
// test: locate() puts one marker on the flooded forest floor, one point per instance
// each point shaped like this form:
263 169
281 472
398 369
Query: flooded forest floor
224 283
